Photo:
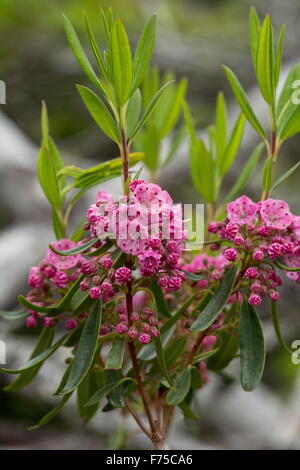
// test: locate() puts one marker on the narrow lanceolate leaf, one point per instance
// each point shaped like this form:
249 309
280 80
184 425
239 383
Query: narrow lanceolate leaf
178 314
180 389
252 348
143 53
233 145
221 127
115 356
13 315
193 276
75 251
150 108
48 179
121 62
217 302
80 55
39 359
91 383
159 298
277 328
285 103
85 351
49 416
202 171
285 175
278 56
99 112
170 107
148 352
290 126
133 111
44 125
246 173
105 390
267 174
254 32
94 46
285 267
264 61
243 101
57 225
27 376
226 352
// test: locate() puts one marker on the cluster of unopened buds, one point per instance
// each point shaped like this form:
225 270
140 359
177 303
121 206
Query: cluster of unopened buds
142 326
50 280
259 234
146 225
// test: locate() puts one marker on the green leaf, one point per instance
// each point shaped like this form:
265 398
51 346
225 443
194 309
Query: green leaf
277 328
57 225
38 359
90 384
85 352
246 173
115 396
174 146
13 315
48 179
187 412
243 101
180 389
254 32
252 347
285 267
267 174
143 53
290 123
221 127
233 145
174 350
193 276
44 125
80 55
226 352
57 161
177 315
27 376
159 298
49 416
115 356
204 356
106 389
99 112
133 111
149 110
121 62
285 103
202 171
169 114
76 250
285 175
264 61
94 46
278 56
217 302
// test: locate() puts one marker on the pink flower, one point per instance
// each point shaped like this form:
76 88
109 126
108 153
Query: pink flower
154 332
35 278
258 254
95 292
123 275
149 261
208 342
31 322
132 332
104 196
230 254
274 295
174 283
62 262
71 324
254 299
49 322
144 338
276 214
121 328
274 250
61 279
251 273
242 211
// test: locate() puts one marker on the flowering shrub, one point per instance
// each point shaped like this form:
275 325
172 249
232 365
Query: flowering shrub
146 319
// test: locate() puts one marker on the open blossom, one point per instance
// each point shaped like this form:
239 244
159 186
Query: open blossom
62 262
276 213
242 211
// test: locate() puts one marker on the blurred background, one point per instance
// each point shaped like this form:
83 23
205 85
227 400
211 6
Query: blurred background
194 38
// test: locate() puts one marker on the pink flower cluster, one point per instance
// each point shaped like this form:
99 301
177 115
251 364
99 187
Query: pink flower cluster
147 225
212 267
141 327
50 279
260 233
